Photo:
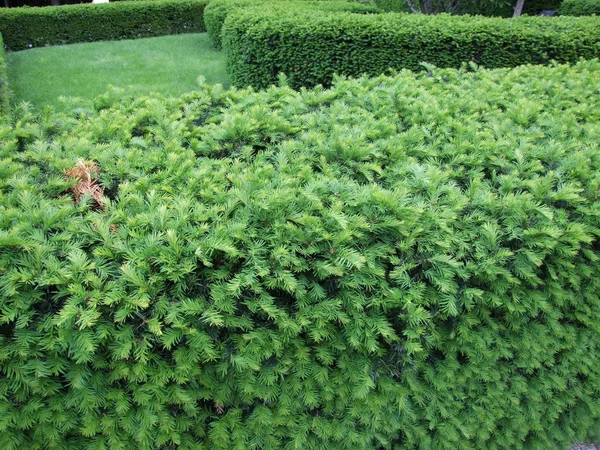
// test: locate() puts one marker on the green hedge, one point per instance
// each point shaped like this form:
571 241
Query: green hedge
218 10
309 47
37 27
580 8
4 92
480 7
408 262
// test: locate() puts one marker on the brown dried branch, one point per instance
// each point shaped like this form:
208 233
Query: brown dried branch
87 184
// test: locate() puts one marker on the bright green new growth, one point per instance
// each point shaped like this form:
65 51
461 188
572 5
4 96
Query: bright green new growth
406 262
167 64
311 46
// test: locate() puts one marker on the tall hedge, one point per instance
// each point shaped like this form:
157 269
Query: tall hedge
580 8
408 262
4 92
37 27
218 10
309 46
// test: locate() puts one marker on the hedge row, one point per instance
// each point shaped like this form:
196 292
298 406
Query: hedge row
4 92
217 11
37 27
408 262
580 8
309 46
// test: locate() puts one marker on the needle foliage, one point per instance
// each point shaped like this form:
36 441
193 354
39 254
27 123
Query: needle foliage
394 263
310 46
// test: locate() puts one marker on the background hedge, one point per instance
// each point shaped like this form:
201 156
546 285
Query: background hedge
408 262
580 8
37 27
4 92
309 47
218 10
480 7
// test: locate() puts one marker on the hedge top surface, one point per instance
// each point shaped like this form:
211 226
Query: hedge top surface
406 262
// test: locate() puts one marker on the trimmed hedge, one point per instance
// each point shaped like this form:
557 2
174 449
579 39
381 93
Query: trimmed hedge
580 8
4 91
218 10
408 262
309 47
37 27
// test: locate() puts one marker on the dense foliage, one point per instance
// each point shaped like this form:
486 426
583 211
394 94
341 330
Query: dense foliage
407 262
218 10
37 27
499 8
310 46
580 7
4 92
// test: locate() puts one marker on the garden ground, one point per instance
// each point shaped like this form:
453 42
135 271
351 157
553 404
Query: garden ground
169 65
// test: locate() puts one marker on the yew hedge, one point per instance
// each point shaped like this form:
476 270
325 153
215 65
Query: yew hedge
409 262
24 28
580 8
310 46
217 11
4 91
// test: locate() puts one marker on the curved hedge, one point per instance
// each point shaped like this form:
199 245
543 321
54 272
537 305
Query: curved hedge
408 262
309 46
218 10
38 27
580 8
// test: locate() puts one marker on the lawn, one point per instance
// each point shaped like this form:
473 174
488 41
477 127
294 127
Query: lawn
169 65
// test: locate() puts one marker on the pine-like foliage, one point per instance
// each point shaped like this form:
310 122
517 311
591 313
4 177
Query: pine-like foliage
395 263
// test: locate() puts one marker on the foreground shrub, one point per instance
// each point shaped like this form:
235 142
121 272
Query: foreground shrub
37 27
407 262
4 92
311 46
580 8
218 10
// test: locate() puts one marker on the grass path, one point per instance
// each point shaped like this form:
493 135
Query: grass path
169 65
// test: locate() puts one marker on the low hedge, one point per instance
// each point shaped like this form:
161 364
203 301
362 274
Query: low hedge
37 27
218 10
409 262
580 8
4 92
309 47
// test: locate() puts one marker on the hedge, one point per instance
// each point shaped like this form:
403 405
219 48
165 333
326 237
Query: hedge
580 8
37 27
409 262
218 10
4 92
309 47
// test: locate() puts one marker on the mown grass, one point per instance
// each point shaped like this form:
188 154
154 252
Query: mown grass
169 65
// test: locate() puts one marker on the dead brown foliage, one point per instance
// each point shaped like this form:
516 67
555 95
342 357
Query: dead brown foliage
86 174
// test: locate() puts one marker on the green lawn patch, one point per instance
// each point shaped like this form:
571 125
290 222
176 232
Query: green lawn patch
169 65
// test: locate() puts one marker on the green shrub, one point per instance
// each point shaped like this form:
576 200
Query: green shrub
505 8
37 27
580 8
4 92
311 46
408 262
218 10
393 5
